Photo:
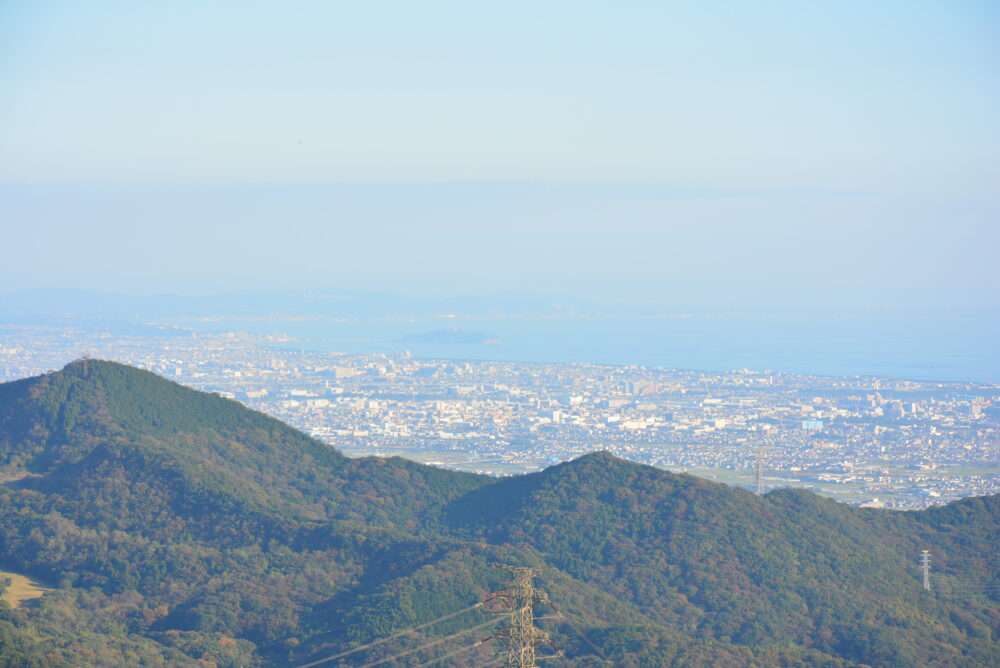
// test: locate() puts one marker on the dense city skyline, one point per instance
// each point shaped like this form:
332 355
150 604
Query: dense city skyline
880 441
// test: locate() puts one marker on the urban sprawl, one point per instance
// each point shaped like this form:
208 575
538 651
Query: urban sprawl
870 441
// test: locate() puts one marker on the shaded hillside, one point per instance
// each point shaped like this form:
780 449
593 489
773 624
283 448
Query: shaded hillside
183 526
789 568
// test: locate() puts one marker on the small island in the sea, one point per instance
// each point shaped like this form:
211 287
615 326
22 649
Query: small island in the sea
452 336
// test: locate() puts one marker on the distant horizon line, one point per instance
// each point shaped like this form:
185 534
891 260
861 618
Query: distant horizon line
531 184
704 305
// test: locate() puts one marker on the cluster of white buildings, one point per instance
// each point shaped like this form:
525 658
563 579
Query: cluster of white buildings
895 439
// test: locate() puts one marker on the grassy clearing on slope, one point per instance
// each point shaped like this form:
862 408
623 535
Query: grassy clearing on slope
22 588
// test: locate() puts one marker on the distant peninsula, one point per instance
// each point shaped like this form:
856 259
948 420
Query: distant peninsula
452 336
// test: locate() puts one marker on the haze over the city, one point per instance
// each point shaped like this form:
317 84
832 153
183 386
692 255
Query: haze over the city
779 153
396 333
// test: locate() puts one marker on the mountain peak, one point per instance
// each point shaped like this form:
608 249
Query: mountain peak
57 418
603 465
98 420
221 520
83 366
599 456
140 401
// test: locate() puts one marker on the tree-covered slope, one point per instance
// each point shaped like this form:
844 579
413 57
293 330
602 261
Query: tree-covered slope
96 416
788 568
218 517
180 526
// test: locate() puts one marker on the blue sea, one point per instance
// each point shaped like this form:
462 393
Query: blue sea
917 346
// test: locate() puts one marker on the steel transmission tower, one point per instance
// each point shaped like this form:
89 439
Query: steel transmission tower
925 563
518 633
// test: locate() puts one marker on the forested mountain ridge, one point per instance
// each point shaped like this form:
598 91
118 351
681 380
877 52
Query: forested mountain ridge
181 526
92 412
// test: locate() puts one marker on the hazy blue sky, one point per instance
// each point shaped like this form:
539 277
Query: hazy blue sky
599 148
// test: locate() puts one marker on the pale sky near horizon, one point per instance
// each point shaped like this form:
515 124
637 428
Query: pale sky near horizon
596 148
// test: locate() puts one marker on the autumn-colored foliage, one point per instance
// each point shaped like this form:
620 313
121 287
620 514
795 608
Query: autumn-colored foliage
183 529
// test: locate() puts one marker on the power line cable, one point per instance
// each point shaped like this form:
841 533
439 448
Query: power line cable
388 638
578 631
430 644
457 651
315 635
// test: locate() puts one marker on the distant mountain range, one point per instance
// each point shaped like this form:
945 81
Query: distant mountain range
452 336
182 528
332 303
